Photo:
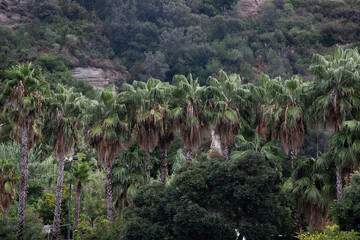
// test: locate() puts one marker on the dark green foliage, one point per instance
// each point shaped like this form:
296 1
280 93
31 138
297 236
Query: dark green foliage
68 80
53 62
142 228
45 9
280 41
208 200
47 206
102 230
346 211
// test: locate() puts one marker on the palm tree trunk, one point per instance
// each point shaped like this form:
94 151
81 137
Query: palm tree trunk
24 168
188 154
297 223
123 199
226 152
164 170
59 188
147 168
77 204
339 183
109 192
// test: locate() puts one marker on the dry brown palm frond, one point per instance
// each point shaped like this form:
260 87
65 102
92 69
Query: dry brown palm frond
227 130
293 138
146 136
334 119
191 135
316 216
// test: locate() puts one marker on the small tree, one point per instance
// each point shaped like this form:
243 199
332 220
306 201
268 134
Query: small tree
9 179
80 174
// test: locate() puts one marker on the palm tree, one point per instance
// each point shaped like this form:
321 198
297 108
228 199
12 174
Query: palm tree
284 117
346 145
80 174
269 150
145 112
108 133
9 180
24 95
313 189
128 175
224 108
167 128
64 129
336 89
187 112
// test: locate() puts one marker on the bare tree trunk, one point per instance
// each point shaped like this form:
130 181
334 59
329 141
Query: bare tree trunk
59 188
109 193
123 199
339 183
226 152
188 155
77 204
215 142
147 168
24 171
297 223
164 170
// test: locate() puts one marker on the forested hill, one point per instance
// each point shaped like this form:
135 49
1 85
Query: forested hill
122 40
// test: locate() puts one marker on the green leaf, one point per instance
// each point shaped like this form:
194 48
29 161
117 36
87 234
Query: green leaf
294 112
96 130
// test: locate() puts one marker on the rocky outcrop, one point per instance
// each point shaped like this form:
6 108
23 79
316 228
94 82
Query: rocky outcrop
13 13
99 78
248 8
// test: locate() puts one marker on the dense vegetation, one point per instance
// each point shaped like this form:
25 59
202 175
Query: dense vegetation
139 37
273 150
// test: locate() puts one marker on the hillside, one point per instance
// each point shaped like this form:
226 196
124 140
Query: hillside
103 42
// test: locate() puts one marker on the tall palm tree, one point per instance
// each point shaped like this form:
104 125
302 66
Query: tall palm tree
187 111
64 128
23 92
313 189
284 117
225 107
167 128
80 175
9 179
108 133
336 89
143 100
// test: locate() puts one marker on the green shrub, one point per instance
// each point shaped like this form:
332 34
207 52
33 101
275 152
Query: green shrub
346 211
330 233
53 62
101 230
33 228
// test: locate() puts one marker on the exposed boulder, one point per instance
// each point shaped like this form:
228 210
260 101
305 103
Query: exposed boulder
99 78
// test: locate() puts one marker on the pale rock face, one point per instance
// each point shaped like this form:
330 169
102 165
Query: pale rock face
99 78
13 13
248 7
